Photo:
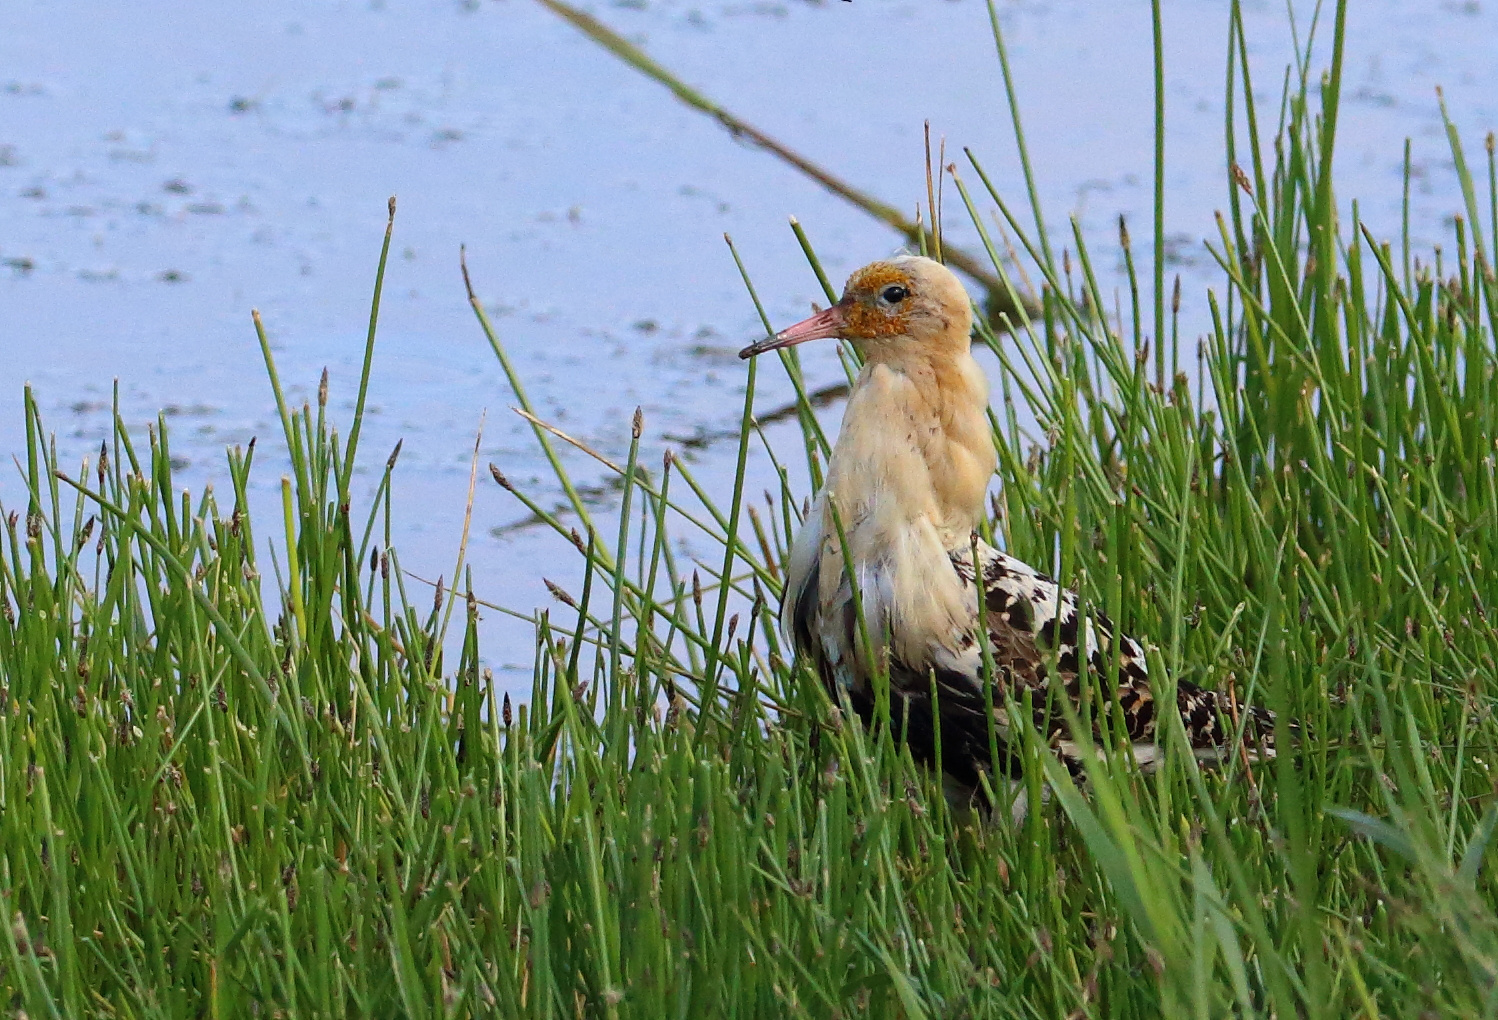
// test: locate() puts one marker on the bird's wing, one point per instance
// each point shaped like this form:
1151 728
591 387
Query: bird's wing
1033 622
819 621
798 600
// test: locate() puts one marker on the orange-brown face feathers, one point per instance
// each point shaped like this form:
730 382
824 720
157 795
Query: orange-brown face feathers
876 302
899 307
906 305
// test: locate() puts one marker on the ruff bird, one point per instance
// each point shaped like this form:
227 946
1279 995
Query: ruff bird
905 487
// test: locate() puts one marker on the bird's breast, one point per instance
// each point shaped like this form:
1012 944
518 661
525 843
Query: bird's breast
914 447
905 486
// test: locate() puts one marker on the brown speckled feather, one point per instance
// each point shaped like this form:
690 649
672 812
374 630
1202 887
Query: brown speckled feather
1031 620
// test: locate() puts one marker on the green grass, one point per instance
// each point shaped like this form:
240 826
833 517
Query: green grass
232 787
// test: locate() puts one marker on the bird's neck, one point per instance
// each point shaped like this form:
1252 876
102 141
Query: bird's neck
915 448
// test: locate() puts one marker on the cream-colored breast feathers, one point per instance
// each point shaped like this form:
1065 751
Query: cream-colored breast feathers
907 480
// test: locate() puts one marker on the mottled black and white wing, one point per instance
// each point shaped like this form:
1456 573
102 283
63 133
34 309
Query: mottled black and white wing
1033 622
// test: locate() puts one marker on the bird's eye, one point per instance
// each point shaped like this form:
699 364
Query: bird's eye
894 294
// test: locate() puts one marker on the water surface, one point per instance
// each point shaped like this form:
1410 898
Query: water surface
164 167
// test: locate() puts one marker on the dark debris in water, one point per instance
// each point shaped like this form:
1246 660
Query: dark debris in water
600 495
189 410
817 398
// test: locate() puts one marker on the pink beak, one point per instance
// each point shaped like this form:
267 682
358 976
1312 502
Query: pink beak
827 323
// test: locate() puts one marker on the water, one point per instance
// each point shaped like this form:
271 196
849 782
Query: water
164 167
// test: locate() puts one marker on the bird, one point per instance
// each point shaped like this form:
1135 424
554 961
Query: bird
893 536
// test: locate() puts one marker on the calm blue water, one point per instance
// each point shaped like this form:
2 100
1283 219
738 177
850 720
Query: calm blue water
165 167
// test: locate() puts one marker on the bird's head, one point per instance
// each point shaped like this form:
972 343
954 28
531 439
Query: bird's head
892 308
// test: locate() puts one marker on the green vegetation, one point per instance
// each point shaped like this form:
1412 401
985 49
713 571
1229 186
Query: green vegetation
224 796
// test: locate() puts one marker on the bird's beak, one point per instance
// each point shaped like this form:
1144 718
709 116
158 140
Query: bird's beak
829 322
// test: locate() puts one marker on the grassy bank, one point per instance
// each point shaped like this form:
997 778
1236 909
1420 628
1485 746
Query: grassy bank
233 785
